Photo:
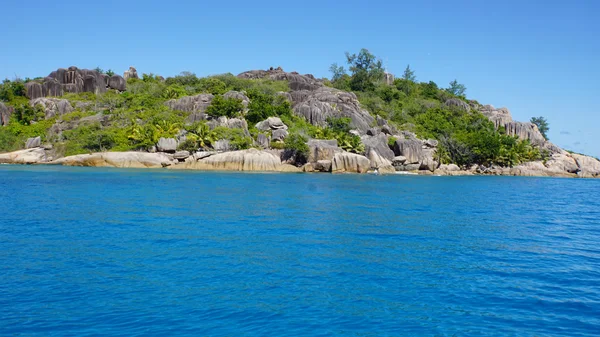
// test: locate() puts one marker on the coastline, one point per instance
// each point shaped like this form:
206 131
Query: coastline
253 160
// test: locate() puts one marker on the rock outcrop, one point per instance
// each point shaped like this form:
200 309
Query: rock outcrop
196 104
28 156
117 159
33 142
53 106
270 124
318 105
350 162
502 119
238 95
5 113
243 160
166 145
73 80
320 149
316 102
131 73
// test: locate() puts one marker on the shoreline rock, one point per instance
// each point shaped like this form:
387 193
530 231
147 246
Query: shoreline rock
252 160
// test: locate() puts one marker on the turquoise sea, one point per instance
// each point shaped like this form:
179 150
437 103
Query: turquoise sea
110 252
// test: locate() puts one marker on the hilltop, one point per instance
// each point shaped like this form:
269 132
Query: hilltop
271 120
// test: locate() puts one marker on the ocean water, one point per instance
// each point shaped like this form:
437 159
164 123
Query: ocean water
110 252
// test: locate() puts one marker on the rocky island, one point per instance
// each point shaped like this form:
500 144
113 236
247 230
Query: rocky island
271 120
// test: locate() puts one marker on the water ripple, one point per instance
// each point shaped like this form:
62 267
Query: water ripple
89 252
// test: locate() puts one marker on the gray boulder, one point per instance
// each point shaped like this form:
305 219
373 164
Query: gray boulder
263 141
322 165
33 142
378 144
388 78
197 103
166 145
238 95
271 123
5 113
523 130
412 149
51 87
117 82
181 155
279 135
455 103
320 149
53 106
131 73
34 90
350 162
319 105
373 131
500 117
222 145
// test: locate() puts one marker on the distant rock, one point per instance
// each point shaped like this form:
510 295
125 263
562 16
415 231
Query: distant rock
322 165
279 135
53 106
244 160
166 145
378 144
263 141
271 123
320 149
238 95
181 155
388 78
33 142
131 73
411 149
455 103
222 145
117 159
588 166
5 113
350 162
319 105
34 90
117 82
197 103
73 80
28 156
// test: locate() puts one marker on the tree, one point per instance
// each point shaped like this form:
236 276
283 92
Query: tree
457 89
100 70
228 107
542 125
409 74
365 68
109 72
337 72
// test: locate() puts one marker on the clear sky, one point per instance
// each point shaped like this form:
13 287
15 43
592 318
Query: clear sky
538 58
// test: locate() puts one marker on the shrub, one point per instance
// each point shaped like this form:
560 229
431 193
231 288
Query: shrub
228 107
296 145
264 105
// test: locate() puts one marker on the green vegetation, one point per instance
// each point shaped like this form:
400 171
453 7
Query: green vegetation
228 107
542 125
296 144
138 118
466 137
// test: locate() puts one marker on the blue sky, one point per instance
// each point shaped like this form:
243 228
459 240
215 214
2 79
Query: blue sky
534 57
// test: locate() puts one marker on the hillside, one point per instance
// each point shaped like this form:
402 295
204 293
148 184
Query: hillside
354 122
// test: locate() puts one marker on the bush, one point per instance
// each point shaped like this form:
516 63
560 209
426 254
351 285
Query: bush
263 106
228 107
296 145
238 140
